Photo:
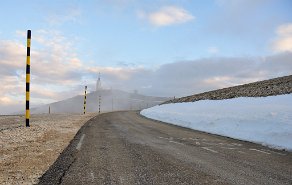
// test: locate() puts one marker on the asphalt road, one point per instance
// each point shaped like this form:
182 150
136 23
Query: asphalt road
126 148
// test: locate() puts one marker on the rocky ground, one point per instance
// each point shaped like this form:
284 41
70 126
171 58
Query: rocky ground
26 153
276 86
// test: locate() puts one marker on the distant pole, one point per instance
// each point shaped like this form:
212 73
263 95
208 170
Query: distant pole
99 102
49 109
84 106
112 104
27 96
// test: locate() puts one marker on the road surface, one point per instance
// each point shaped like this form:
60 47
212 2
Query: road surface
126 148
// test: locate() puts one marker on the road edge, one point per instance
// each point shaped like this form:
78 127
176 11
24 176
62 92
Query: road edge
58 169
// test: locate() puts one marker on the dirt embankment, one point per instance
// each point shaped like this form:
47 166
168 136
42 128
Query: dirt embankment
276 86
26 153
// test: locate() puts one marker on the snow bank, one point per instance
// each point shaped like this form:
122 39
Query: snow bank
264 120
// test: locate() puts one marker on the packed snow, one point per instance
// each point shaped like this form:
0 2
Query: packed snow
263 120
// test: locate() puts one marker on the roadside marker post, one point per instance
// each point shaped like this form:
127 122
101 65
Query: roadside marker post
112 104
99 102
84 106
27 95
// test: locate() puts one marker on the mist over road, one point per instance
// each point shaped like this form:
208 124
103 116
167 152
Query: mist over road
126 148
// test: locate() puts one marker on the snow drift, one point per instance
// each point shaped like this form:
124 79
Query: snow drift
263 120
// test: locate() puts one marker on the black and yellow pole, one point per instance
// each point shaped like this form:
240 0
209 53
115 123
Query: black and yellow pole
27 96
99 102
84 105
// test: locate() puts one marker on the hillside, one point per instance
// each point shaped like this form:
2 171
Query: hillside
111 100
276 86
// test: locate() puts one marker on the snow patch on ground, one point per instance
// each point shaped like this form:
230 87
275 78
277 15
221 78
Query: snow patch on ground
263 120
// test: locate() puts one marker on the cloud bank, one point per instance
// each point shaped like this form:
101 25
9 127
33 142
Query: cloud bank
194 76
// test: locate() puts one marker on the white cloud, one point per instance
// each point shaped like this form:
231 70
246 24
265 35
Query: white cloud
285 30
9 47
69 15
283 42
167 15
213 50
222 81
117 73
5 100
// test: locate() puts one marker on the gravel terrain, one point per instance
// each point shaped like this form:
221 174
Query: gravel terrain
276 86
11 121
26 153
126 148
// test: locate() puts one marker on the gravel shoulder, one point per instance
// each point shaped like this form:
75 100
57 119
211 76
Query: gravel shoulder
26 153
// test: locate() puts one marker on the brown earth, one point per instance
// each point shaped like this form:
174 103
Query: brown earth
26 153
276 86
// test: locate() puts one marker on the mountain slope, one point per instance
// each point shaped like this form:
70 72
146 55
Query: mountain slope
276 86
111 100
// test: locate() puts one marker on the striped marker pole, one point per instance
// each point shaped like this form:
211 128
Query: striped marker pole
112 104
84 107
27 113
99 102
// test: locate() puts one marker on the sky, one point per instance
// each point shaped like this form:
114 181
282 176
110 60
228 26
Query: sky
159 48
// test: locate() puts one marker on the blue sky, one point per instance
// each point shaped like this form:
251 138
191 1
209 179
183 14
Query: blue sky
109 32
130 42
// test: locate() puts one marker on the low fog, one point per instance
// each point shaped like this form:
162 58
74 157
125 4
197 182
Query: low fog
111 100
